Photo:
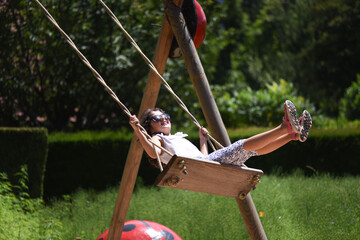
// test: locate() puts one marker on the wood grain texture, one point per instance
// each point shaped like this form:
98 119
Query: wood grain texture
208 177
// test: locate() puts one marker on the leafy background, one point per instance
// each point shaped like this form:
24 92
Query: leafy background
256 54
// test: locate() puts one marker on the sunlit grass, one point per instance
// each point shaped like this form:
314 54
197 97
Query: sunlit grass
292 207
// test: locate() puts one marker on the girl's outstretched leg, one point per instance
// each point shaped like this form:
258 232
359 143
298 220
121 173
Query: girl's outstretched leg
289 125
259 141
279 142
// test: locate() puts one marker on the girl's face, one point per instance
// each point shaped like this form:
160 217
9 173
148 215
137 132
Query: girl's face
160 123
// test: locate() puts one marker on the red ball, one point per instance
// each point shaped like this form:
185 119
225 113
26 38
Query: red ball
144 230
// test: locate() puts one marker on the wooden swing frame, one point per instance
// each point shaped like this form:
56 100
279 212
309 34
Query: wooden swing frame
204 176
174 25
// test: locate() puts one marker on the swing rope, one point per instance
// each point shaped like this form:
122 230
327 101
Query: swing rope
102 81
152 67
111 92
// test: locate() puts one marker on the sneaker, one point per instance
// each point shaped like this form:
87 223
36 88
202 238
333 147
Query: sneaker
290 117
305 122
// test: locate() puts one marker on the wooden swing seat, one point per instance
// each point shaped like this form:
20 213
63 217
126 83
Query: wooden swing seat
208 177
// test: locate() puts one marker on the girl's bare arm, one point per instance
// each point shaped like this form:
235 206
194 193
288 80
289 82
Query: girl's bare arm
146 144
203 134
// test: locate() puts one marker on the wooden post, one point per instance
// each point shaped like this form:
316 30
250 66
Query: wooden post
208 105
196 72
136 151
251 218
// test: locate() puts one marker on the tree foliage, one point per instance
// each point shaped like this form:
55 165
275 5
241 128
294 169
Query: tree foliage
44 82
311 44
350 103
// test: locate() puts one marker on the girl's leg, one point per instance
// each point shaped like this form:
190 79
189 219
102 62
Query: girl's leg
279 142
289 125
263 139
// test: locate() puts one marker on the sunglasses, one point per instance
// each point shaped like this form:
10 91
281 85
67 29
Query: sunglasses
157 118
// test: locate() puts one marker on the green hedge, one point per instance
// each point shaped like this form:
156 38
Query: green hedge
24 146
89 160
326 151
96 160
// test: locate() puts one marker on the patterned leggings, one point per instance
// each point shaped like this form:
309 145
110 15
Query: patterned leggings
235 154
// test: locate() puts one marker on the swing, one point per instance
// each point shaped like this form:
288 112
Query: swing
208 177
181 173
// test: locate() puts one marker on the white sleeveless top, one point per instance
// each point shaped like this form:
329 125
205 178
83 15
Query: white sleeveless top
179 145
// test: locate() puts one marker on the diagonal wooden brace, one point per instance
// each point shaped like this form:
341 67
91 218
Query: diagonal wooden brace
136 151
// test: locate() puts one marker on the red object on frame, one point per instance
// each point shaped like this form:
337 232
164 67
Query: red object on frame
196 23
201 25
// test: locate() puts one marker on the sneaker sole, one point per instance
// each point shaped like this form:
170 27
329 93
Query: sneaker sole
290 111
306 123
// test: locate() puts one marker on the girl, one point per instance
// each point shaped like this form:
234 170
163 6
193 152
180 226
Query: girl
157 124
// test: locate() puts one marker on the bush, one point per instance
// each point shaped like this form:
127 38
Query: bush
20 216
24 146
350 103
263 107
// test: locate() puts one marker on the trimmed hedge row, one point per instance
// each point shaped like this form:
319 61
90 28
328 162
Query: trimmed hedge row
324 152
95 161
98 162
24 146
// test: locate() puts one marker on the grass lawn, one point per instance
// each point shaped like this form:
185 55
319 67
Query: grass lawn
292 207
